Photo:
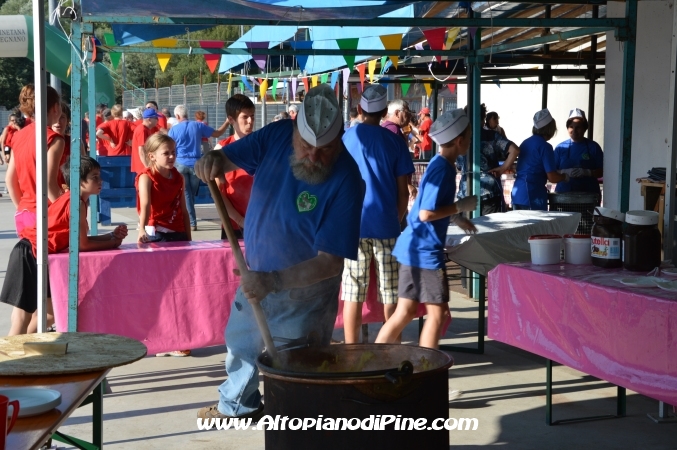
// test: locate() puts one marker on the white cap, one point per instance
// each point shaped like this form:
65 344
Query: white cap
136 113
641 217
374 99
542 118
448 126
609 213
577 114
294 108
126 114
319 120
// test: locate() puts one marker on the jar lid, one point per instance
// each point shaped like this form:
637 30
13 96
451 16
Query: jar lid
537 237
576 236
640 217
609 213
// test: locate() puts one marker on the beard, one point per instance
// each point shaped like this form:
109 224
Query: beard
310 172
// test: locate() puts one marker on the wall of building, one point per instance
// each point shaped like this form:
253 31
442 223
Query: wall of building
650 112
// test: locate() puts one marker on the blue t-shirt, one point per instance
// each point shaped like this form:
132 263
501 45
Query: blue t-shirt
536 159
421 244
586 154
288 221
382 156
188 136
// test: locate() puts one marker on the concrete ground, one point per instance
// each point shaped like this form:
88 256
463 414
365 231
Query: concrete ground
154 401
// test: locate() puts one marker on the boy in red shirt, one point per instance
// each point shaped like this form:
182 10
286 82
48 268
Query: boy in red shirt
116 134
424 131
20 288
141 134
237 187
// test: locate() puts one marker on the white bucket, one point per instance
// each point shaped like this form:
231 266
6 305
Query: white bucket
545 249
577 249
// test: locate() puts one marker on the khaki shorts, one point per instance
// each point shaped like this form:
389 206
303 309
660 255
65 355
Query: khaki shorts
356 273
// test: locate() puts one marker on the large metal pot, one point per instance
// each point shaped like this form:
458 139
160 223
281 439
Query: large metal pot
357 382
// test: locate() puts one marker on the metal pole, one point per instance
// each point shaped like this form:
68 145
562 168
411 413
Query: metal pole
669 214
545 78
476 144
91 106
41 184
53 80
627 102
591 85
433 110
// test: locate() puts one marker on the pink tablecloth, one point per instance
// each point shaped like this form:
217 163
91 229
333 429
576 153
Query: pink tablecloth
169 296
582 317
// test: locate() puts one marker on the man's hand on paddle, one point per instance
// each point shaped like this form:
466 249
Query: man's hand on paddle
211 166
255 285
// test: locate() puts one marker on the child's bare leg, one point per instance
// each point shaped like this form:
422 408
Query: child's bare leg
388 310
33 325
437 314
352 321
404 313
19 321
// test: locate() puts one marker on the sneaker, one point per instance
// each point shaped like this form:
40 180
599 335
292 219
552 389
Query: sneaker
194 227
179 353
212 412
454 395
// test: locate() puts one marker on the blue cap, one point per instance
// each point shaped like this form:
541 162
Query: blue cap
150 113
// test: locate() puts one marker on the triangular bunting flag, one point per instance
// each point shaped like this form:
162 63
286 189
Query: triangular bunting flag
519 79
109 40
246 83
372 69
294 84
285 92
419 46
212 59
334 78
263 88
306 84
259 59
346 75
393 42
452 88
388 65
428 89
274 88
304 45
384 81
241 85
230 79
360 88
405 87
361 69
452 34
435 39
163 58
472 31
498 83
348 44
313 80
324 78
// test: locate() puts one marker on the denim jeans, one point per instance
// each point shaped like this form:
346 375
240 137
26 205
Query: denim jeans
290 314
192 183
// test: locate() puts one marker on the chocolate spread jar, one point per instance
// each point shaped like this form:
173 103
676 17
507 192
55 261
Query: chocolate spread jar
606 237
641 241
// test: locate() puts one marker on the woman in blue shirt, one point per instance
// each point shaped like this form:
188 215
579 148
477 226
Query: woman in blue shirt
536 165
579 157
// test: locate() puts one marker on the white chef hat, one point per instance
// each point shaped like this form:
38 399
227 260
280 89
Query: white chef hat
577 114
448 126
374 99
542 118
319 120
136 113
294 108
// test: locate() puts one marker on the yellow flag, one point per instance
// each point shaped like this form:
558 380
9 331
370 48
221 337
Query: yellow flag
163 58
428 89
230 79
392 42
452 33
372 68
313 80
263 88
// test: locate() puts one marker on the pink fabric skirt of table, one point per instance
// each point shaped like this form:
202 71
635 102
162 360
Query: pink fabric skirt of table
582 317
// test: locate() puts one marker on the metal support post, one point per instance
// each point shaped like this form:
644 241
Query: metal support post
669 243
480 324
476 121
546 77
663 414
96 399
593 79
91 107
627 101
53 80
433 111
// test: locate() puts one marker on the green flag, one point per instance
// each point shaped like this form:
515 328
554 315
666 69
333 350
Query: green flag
348 44
109 40
383 62
324 78
405 87
274 88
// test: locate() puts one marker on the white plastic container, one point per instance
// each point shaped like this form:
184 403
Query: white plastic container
545 249
577 249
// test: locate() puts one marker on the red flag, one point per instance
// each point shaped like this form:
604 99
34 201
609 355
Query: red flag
452 88
212 59
306 84
435 39
361 68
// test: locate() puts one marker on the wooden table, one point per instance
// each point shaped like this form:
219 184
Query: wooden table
32 432
654 198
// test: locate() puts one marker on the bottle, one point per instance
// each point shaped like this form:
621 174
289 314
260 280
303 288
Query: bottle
606 237
641 241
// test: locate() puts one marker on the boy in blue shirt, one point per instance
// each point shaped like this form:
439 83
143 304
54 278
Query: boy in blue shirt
420 247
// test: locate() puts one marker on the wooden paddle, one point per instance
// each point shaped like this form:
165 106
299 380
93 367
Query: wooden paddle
242 266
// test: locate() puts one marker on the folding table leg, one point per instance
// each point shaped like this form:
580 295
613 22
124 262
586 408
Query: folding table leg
663 415
480 324
96 399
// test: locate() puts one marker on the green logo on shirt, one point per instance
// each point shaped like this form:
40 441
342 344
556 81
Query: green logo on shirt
306 202
585 156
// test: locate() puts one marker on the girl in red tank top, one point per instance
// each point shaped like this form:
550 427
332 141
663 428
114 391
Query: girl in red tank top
160 198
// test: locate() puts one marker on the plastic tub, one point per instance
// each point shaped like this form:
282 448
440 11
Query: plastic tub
545 248
577 249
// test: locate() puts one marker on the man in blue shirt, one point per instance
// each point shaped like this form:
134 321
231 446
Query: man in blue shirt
188 136
384 162
303 219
